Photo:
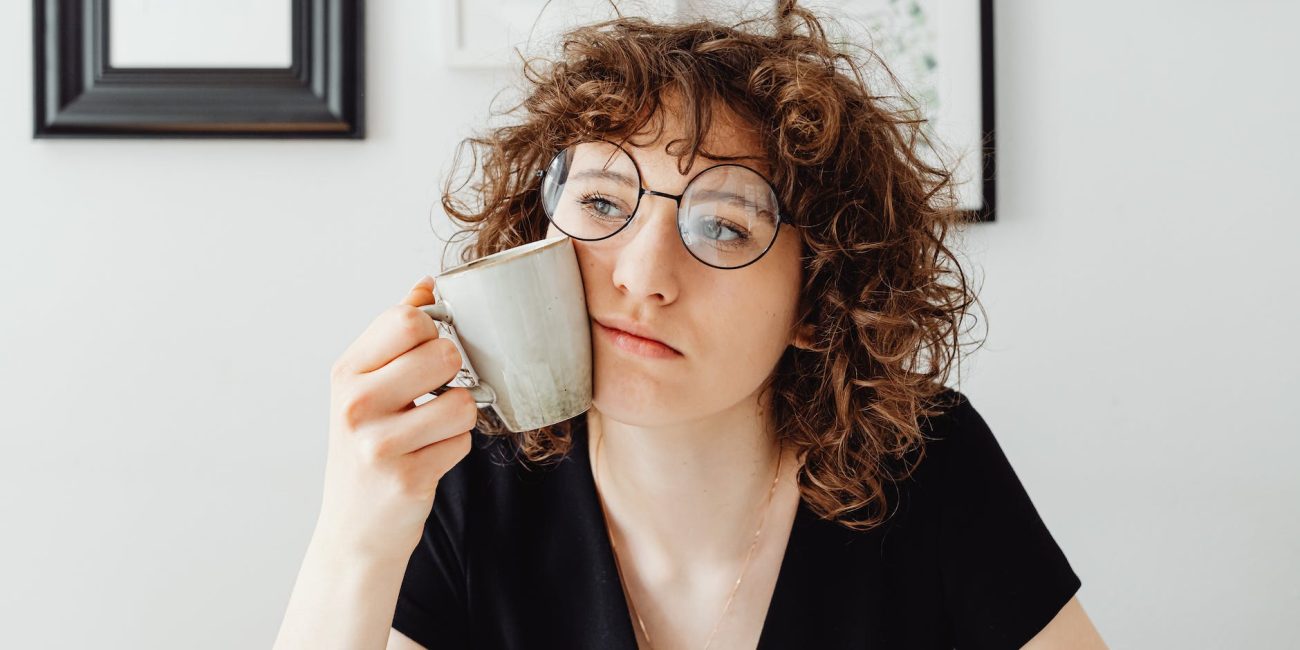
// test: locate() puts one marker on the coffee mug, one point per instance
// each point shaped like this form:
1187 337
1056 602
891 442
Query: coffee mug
520 316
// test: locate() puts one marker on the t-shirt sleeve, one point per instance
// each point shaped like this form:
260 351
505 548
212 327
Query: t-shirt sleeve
1005 577
432 608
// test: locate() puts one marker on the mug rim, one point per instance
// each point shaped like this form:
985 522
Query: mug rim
506 255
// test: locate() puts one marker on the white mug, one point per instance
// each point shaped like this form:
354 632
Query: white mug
520 316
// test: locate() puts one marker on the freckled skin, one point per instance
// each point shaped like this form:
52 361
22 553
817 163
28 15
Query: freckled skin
731 325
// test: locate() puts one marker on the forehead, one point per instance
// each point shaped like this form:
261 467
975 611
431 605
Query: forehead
665 135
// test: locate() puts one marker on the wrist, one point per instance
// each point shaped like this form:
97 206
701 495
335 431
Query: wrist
339 544
341 558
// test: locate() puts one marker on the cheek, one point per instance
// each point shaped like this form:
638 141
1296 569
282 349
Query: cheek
754 332
746 332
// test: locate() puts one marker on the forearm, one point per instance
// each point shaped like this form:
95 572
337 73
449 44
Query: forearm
341 600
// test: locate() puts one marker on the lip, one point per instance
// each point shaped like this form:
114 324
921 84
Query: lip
634 338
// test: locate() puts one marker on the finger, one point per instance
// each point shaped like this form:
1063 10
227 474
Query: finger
452 413
438 459
441 456
430 365
421 293
397 330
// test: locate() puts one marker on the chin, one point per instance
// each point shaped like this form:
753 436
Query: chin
626 395
635 415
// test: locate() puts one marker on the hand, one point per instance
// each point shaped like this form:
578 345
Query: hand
386 455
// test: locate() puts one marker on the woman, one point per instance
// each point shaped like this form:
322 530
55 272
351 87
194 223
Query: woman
771 458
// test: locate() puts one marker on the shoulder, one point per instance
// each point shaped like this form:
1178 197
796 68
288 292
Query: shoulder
960 470
956 433
951 416
1004 574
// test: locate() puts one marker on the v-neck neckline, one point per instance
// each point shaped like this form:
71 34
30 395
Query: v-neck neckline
780 617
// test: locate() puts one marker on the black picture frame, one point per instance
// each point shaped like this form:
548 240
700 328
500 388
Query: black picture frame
988 106
78 94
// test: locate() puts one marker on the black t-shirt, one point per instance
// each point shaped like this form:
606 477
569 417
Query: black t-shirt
513 557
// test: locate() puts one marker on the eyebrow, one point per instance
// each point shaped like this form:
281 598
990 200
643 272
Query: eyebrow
731 197
592 172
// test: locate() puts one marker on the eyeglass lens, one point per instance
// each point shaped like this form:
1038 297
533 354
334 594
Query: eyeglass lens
728 216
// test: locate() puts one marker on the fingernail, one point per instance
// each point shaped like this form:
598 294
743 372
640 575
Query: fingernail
424 281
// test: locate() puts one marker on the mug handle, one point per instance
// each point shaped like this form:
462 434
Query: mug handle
482 393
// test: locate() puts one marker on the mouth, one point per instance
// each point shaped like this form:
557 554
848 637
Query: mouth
634 344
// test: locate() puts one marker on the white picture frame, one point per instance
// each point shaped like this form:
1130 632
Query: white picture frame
941 51
482 34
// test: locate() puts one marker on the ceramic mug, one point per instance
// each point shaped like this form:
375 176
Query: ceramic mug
520 317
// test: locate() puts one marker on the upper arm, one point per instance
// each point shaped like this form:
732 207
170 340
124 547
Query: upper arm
399 641
1070 629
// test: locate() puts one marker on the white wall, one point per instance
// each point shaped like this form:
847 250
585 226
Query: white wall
171 309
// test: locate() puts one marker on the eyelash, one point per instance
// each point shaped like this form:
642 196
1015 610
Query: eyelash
586 200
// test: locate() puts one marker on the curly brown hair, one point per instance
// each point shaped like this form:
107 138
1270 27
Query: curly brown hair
872 212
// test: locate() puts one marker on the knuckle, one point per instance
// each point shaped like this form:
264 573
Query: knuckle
472 422
450 355
461 399
471 409
466 415
460 445
372 449
353 409
396 311
463 443
413 322
455 407
338 369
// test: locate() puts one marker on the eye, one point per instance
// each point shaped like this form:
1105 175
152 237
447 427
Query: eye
721 229
600 205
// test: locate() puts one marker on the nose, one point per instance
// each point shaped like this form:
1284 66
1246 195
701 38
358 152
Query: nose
650 258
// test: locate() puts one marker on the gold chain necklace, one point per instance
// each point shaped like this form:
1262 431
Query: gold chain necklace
745 565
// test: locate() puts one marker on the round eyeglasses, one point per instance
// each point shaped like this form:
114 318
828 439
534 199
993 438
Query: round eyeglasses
728 215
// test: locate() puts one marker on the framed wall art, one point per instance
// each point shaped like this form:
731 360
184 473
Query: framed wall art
941 51
199 68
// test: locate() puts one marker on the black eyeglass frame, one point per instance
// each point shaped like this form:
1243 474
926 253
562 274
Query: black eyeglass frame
642 190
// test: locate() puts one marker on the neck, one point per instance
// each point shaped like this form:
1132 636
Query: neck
689 492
